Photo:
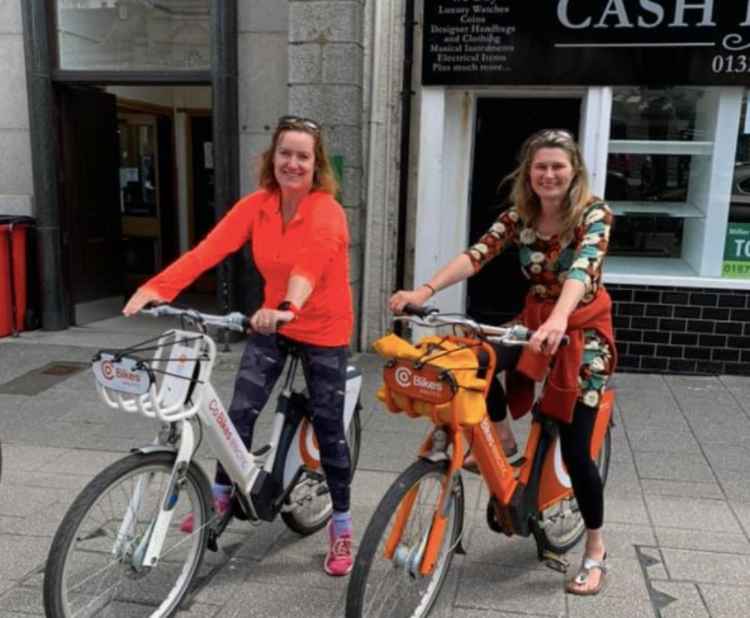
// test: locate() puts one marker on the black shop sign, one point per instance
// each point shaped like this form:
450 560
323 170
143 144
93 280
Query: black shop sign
586 42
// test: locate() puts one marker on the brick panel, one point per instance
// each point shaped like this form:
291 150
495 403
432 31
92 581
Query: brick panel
674 330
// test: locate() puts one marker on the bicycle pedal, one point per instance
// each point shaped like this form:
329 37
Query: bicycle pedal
556 562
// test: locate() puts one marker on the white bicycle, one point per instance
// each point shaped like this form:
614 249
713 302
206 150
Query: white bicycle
119 550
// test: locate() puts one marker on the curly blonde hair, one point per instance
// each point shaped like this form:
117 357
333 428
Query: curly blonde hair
324 178
522 195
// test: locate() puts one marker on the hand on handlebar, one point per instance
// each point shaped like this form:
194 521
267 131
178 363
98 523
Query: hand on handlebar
267 321
401 298
549 335
141 298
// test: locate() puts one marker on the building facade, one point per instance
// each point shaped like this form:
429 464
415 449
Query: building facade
424 106
657 97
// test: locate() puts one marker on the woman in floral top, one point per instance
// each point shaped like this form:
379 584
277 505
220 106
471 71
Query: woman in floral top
562 233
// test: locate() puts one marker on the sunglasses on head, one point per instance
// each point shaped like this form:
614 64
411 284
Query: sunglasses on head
298 122
554 135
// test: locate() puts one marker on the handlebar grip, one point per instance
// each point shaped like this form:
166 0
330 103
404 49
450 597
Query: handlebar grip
421 311
238 321
521 333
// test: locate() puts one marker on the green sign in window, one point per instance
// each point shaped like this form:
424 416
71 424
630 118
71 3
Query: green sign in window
737 252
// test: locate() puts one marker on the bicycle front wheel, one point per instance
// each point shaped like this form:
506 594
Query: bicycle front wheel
94 566
394 587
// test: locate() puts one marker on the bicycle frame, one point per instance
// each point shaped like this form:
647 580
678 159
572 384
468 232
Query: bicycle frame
185 392
541 481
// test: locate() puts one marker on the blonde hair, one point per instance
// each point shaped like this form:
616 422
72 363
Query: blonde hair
522 195
324 178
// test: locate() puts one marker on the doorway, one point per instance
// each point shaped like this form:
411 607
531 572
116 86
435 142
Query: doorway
127 189
496 293
147 196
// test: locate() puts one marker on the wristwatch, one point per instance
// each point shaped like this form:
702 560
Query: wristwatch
287 305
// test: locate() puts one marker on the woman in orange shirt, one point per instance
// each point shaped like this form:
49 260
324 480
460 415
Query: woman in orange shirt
299 241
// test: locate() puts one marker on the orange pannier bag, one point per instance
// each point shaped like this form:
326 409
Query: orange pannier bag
437 378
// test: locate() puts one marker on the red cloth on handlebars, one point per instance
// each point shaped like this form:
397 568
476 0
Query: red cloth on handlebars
314 245
561 389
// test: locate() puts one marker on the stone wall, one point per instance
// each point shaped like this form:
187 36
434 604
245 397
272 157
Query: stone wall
326 57
16 186
263 75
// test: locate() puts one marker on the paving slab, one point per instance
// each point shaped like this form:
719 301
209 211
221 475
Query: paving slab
692 513
680 489
705 540
679 600
677 503
708 567
726 601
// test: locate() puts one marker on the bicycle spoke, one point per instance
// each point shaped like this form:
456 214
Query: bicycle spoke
395 586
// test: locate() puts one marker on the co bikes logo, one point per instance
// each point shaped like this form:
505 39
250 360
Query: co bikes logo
107 370
231 437
112 372
403 377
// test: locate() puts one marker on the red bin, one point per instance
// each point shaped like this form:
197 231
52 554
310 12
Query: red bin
13 273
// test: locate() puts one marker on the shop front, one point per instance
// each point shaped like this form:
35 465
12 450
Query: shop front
657 99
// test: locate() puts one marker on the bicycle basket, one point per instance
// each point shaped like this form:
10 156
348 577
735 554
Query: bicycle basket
165 385
437 378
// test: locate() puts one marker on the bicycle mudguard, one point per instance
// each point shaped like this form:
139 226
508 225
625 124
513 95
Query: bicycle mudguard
554 482
602 422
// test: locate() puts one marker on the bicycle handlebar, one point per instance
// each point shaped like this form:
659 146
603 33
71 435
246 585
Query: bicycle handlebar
235 321
431 317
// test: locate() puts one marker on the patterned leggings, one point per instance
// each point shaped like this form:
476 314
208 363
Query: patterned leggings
325 375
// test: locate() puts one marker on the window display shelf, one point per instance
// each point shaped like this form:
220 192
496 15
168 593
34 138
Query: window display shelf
663 272
628 146
679 210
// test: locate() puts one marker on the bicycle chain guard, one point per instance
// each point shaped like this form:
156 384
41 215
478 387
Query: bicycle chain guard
498 518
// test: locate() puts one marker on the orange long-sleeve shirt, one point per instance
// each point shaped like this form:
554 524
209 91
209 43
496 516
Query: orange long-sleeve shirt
314 244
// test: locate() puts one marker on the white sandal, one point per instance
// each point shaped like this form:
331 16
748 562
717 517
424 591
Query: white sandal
588 565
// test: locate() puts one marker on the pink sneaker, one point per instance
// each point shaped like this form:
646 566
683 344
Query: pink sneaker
221 505
339 559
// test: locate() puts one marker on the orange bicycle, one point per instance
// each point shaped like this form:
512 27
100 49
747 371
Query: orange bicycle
407 548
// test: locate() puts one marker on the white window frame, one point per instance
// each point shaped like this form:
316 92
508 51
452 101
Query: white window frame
707 213
447 118
446 149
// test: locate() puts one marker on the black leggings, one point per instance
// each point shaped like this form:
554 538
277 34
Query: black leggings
575 443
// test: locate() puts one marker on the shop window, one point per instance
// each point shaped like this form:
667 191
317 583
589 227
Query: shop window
736 258
667 179
134 35
739 208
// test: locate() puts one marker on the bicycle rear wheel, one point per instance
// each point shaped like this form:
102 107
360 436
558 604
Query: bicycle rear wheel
92 568
563 524
309 506
394 587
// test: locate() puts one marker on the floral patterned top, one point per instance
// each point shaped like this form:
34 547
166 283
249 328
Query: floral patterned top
547 260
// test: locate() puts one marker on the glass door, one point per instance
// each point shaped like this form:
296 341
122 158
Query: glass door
139 197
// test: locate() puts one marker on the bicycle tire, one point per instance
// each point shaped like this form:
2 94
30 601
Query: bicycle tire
563 542
297 519
401 571
77 548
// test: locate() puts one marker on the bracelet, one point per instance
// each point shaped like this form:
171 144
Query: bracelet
433 290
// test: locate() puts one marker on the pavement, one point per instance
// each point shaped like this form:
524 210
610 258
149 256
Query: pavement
677 504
